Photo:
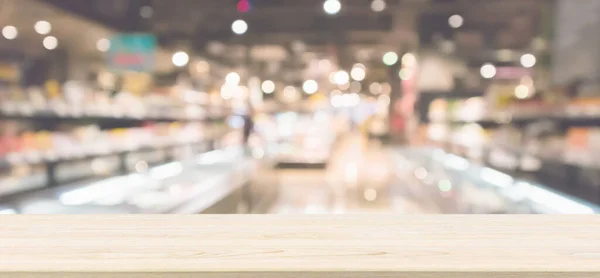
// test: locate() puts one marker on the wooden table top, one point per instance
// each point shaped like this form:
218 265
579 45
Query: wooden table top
300 246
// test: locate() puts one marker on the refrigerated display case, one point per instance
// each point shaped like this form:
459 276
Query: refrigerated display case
304 139
467 187
181 187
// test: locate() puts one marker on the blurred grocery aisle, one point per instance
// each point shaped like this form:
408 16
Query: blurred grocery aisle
233 106
359 178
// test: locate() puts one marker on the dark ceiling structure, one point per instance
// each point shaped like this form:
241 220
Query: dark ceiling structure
489 26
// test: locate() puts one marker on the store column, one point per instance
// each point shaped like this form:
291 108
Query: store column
403 40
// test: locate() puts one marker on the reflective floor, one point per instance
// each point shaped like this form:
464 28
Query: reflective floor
360 178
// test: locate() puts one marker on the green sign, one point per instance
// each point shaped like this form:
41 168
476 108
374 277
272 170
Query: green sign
132 52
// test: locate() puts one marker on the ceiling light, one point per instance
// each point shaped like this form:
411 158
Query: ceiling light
42 27
146 12
390 58
239 26
488 71
310 87
180 59
10 32
528 60
456 21
378 5
341 77
332 6
409 60
103 45
268 86
358 73
233 78
50 42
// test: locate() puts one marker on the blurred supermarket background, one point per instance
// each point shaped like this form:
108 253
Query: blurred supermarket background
299 106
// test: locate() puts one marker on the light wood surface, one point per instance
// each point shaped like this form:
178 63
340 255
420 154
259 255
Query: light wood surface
300 246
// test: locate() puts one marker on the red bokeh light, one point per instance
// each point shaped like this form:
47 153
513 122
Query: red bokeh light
243 6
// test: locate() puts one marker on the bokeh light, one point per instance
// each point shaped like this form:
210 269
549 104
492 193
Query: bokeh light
268 86
50 42
310 86
528 60
488 71
375 88
10 32
42 27
239 27
103 45
409 60
390 58
341 77
233 78
332 6
358 73
180 59
405 74
456 21
378 5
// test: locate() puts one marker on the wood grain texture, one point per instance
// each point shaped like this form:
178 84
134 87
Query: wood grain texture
300 246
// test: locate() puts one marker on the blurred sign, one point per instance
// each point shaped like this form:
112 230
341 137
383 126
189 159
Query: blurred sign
512 72
132 52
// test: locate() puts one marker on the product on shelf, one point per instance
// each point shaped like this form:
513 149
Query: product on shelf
76 100
79 141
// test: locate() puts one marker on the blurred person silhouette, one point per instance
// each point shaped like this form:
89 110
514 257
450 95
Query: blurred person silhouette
248 127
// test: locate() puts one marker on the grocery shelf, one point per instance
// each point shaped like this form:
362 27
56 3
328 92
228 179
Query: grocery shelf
516 190
106 121
561 119
179 187
575 179
49 170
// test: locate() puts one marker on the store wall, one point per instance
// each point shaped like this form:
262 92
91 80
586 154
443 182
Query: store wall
576 47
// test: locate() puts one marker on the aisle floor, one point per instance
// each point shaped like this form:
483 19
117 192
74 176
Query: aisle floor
360 178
